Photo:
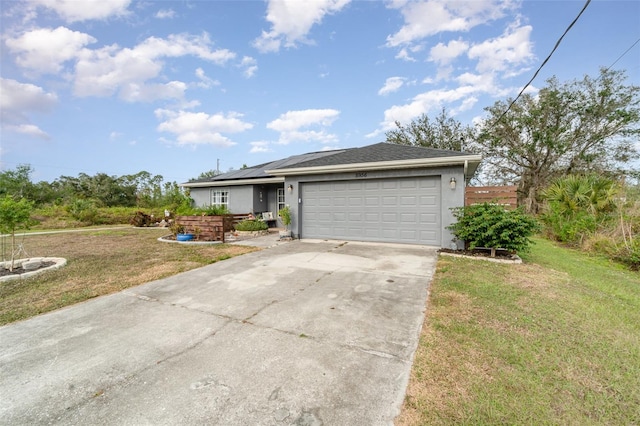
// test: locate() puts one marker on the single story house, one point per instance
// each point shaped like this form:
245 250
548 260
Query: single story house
383 192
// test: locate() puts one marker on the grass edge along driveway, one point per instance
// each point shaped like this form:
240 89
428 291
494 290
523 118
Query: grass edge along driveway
555 340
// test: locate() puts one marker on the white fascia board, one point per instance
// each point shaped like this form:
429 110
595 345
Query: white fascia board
237 182
379 165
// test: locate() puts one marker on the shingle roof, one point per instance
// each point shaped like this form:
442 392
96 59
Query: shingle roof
259 171
382 151
378 152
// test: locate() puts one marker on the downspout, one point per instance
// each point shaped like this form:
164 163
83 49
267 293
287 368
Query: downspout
466 166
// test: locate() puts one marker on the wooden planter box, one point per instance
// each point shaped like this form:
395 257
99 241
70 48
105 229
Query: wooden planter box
212 228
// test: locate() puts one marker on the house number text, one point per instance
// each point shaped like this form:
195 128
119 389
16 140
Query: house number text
361 174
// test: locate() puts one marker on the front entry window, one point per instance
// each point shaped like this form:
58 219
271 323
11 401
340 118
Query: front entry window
280 198
219 198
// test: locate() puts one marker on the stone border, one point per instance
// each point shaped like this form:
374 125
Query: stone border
59 263
515 261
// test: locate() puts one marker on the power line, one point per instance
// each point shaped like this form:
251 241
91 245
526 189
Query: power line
543 63
624 53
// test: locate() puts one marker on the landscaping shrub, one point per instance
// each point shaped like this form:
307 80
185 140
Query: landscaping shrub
576 206
571 229
491 226
251 225
629 255
83 210
214 210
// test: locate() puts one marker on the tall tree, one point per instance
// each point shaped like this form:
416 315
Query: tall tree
16 183
588 125
443 132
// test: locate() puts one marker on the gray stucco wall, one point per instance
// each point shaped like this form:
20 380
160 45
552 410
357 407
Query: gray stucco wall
449 197
201 196
242 199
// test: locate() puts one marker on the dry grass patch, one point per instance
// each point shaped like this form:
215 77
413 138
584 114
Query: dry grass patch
99 263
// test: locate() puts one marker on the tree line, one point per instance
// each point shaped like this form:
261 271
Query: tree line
142 189
587 126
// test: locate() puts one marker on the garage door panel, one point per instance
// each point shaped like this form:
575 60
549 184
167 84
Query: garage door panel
409 201
408 183
393 210
372 201
409 218
428 218
372 185
355 201
390 201
426 200
340 216
427 235
390 218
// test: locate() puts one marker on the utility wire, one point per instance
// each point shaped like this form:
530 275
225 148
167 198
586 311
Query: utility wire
624 53
543 64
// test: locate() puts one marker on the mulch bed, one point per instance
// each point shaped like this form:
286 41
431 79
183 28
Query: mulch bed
19 270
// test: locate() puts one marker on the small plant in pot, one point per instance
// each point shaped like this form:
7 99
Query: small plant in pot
180 232
285 216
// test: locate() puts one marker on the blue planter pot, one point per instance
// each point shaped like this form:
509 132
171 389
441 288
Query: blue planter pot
184 237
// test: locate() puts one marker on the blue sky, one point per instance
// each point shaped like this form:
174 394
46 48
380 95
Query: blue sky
122 86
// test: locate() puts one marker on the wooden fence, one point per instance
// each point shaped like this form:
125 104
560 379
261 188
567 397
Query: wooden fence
504 195
210 228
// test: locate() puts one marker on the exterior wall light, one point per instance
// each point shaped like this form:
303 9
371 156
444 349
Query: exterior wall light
290 188
452 183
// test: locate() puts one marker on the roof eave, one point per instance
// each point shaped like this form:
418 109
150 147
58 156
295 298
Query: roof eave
379 165
236 182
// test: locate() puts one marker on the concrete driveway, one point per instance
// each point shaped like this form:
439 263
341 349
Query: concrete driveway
304 333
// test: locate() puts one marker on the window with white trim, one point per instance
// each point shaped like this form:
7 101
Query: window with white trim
280 198
219 198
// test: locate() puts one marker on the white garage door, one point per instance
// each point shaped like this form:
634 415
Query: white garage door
403 210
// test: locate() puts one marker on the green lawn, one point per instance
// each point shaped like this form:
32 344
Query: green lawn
553 341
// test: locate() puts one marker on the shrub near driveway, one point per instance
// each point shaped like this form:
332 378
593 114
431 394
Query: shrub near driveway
99 263
551 341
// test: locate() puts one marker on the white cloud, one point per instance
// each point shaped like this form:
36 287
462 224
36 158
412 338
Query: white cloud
205 82
29 130
444 54
391 85
111 69
291 21
134 92
75 10
423 103
290 124
259 146
426 18
404 55
177 45
46 50
250 66
18 100
166 14
200 128
293 120
499 54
